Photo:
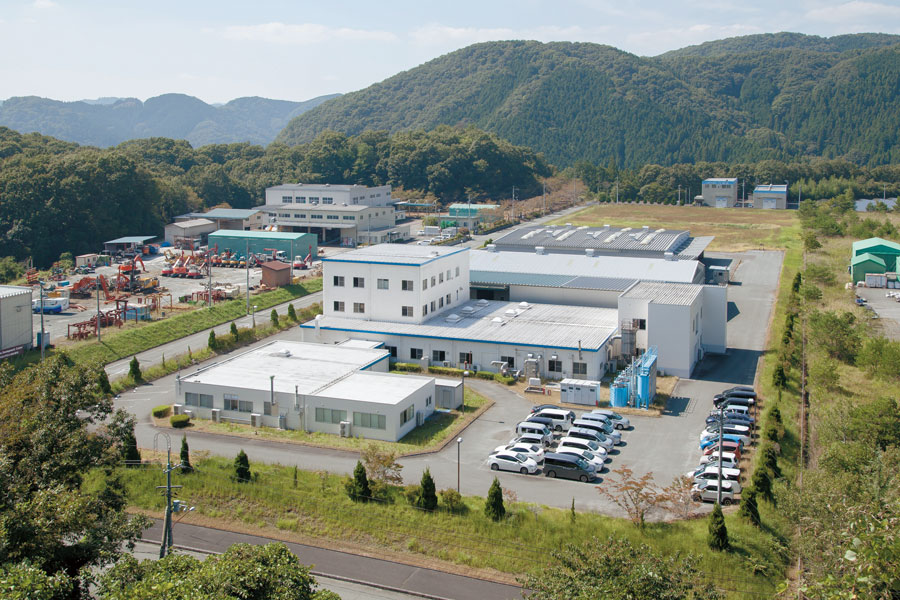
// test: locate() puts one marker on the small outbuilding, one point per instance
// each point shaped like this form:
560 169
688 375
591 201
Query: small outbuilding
16 332
129 245
276 274
189 234
770 196
880 248
866 264
294 245
720 192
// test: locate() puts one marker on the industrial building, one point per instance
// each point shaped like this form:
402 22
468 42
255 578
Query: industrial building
418 302
129 245
240 219
348 215
641 242
190 233
470 216
720 192
264 242
339 389
874 255
16 332
770 196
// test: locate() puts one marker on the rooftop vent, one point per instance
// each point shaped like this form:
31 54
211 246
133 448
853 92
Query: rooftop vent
524 305
482 303
283 353
497 321
645 227
539 249
467 310
453 318
491 247
588 251
670 256
511 312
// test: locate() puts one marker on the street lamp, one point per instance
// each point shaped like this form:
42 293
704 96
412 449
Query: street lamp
464 375
458 442
253 314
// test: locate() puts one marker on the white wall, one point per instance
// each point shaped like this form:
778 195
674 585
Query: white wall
15 320
375 196
671 330
715 319
564 296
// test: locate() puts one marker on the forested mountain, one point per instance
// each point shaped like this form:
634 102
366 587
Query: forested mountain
60 197
779 96
109 121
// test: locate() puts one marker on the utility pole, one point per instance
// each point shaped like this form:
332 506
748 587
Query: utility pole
247 255
513 204
41 284
679 194
617 190
209 272
543 198
167 491
99 314
721 456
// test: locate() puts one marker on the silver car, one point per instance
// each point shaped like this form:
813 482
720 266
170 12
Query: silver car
618 421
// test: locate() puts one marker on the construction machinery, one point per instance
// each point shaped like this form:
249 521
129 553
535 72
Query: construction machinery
83 287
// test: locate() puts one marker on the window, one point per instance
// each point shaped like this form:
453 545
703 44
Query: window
433 308
448 274
639 323
359 307
245 406
330 415
299 216
338 306
349 218
327 200
369 420
392 350
231 402
554 366
433 281
428 401
510 361
333 217
314 216
424 284
441 302
313 199
457 271
338 281
202 400
406 311
407 414
441 277
465 358
300 199
424 309
415 353
448 299
270 409
438 355
285 199
382 284
406 285
579 368
359 282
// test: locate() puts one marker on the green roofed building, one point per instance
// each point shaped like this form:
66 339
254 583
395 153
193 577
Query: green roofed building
886 250
864 264
262 242
471 215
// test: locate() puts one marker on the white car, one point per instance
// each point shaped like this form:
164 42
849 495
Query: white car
512 461
532 451
728 457
712 472
604 429
618 421
708 491
596 460
592 435
726 464
530 438
582 444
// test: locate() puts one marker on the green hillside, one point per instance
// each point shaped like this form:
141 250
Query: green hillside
776 96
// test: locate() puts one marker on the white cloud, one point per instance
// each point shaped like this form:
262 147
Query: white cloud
652 42
855 11
304 34
42 4
441 35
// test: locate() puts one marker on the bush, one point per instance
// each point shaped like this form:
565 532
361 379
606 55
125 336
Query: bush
242 467
775 415
500 378
292 314
358 487
427 498
771 433
179 421
452 501
274 317
161 411
134 370
769 459
185 456
493 506
446 371
212 343
762 482
485 375
235 336
749 508
411 493
408 367
103 382
717 536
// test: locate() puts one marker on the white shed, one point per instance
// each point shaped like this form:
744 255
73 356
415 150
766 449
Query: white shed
16 333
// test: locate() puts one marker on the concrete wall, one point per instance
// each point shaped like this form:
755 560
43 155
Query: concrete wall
565 296
671 328
760 200
714 333
15 318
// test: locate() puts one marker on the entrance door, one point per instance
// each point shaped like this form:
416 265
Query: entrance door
770 203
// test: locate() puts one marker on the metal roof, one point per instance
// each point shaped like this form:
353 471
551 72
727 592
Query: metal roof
665 293
696 246
870 243
770 189
493 322
133 239
866 257
258 235
191 223
381 388
8 291
550 280
395 254
576 265
323 187
231 213
644 240
721 180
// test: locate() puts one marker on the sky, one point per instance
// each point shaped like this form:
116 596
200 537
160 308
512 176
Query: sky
296 50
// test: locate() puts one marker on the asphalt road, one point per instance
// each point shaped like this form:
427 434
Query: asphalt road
373 577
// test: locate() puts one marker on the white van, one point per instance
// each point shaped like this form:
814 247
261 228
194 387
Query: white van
562 419
536 429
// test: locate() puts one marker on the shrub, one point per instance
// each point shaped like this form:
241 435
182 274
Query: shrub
485 375
493 506
134 370
775 415
411 493
769 459
762 482
103 382
273 316
234 332
749 508
212 343
446 371
242 467
508 380
161 411
292 314
179 421
358 486
185 456
453 501
771 433
717 536
427 498
408 367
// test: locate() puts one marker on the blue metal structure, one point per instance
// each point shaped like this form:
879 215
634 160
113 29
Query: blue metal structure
636 384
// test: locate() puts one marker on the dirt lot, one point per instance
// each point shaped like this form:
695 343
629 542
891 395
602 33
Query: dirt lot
745 229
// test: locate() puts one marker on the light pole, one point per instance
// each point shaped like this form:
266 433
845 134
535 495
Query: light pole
247 256
253 314
41 284
99 314
458 442
721 437
464 375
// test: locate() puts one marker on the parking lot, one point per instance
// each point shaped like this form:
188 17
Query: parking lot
887 308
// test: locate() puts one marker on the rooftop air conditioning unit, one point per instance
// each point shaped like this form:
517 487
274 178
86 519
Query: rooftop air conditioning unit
255 420
214 415
189 413
345 429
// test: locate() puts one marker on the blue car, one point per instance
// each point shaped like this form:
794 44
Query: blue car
715 440
730 419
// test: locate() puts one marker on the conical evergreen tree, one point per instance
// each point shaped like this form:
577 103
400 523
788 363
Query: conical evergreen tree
234 332
274 317
749 508
427 496
134 370
762 482
213 343
493 507
717 538
292 314
130 451
242 467
103 382
358 487
185 455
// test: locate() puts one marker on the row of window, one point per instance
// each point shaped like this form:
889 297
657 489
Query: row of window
358 307
302 200
554 366
407 285
317 216
362 419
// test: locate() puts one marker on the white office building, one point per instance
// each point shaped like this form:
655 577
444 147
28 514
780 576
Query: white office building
339 389
720 192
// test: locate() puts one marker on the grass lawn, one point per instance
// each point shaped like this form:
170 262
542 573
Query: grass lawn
736 229
130 340
431 435
317 510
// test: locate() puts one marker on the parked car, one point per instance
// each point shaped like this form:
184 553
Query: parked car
727 463
708 491
604 428
561 419
618 421
548 423
714 441
727 457
582 444
727 446
532 439
737 409
532 451
609 426
539 407
720 400
730 417
512 461
538 428
733 393
593 435
740 388
592 459
712 472
568 467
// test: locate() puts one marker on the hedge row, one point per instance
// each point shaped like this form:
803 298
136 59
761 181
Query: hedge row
408 367
161 411
180 420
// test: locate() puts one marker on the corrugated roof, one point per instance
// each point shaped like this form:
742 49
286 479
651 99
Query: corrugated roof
539 325
770 189
550 280
696 246
132 239
191 223
863 245
320 186
395 254
599 238
575 265
258 235
665 293
721 180
231 213
8 291
866 257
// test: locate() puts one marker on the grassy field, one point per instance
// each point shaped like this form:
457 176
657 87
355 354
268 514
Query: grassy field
132 339
431 435
735 229
318 511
